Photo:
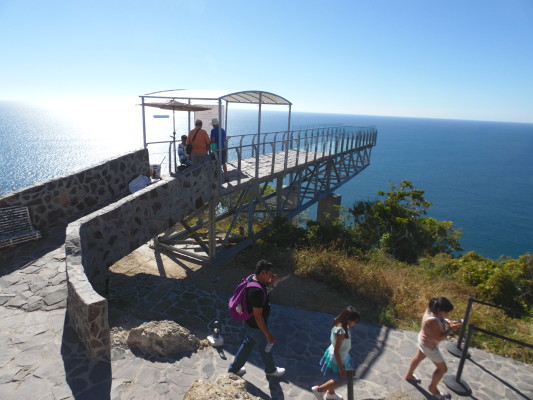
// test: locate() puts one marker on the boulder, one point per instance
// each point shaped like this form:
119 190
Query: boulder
226 387
162 339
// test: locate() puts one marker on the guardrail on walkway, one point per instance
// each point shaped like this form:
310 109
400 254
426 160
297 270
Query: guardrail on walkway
314 143
457 384
455 348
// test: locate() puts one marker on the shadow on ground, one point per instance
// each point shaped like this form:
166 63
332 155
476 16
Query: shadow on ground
302 336
87 378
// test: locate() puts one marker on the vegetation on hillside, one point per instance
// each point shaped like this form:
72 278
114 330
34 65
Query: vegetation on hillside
393 259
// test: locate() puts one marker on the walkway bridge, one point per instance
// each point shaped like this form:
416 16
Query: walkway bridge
270 174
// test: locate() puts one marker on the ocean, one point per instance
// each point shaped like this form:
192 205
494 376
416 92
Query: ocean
477 174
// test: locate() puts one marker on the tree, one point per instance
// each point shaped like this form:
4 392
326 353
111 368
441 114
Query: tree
396 223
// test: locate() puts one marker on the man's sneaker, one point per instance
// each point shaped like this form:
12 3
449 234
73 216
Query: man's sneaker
240 372
333 396
277 373
318 395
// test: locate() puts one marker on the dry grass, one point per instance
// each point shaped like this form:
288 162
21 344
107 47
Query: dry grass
395 294
384 290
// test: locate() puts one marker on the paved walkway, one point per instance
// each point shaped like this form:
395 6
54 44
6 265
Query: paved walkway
41 357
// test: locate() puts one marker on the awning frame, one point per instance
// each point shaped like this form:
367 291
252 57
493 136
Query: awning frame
240 97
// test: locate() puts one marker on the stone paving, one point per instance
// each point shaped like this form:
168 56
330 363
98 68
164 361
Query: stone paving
42 358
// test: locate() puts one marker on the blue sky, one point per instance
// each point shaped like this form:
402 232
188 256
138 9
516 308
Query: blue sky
464 59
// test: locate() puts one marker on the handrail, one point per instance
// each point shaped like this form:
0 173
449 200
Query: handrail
330 140
457 384
455 348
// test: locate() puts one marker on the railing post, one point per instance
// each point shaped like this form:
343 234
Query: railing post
350 375
286 144
455 348
456 384
257 150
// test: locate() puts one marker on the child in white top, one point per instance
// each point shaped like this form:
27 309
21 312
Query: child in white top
432 332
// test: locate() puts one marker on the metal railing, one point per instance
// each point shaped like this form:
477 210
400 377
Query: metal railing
455 383
455 348
313 142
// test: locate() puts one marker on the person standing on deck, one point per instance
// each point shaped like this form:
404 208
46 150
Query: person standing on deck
200 142
218 137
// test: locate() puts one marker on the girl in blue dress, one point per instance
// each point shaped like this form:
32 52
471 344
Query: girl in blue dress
336 359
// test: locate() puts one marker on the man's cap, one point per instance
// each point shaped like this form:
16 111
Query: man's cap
214 121
198 122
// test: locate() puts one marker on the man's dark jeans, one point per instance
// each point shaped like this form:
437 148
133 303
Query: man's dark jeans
253 337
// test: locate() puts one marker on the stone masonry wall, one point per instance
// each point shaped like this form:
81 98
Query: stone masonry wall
61 200
98 240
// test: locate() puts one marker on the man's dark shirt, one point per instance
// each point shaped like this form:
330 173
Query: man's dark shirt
255 297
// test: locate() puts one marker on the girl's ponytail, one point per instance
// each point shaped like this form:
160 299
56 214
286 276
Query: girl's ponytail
432 304
347 314
440 304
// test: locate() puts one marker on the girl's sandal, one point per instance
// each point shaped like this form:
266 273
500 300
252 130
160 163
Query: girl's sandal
415 379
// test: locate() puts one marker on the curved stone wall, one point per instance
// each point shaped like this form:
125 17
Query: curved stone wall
61 200
98 240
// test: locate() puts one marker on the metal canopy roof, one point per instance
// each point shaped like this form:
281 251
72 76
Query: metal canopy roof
244 96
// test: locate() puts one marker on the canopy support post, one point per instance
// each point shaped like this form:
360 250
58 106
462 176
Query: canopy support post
144 124
221 145
259 126
289 123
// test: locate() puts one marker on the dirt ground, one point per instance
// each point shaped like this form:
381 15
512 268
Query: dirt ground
289 290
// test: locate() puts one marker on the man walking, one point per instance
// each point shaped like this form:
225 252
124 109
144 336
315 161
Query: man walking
256 330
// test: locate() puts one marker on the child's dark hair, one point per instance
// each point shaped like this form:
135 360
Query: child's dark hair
440 304
347 314
263 265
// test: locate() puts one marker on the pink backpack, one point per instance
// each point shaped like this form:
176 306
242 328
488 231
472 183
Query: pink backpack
238 308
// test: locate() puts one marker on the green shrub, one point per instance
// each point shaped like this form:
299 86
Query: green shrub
507 282
283 234
396 224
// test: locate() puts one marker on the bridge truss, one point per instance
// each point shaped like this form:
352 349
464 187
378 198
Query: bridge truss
282 175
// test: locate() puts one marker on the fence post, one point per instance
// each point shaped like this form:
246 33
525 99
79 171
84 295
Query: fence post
350 375
455 348
456 384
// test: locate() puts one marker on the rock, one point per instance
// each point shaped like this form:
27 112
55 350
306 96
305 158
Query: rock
162 339
226 387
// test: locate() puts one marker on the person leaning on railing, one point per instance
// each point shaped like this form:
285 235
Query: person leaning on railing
433 331
219 134
199 139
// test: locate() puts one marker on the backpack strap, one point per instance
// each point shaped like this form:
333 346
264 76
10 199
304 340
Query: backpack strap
252 283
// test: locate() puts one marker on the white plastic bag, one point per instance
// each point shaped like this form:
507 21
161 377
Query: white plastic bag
139 183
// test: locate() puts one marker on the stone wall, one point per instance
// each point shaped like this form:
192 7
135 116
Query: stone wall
98 240
62 200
